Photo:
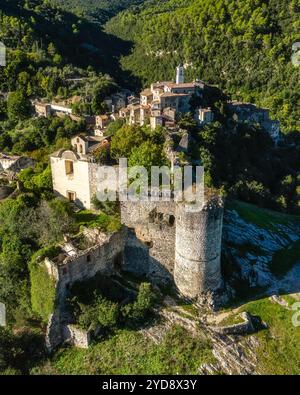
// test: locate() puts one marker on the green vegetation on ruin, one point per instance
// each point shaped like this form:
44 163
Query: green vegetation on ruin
43 291
103 302
102 221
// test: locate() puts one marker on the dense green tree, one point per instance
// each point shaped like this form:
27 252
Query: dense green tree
147 155
18 106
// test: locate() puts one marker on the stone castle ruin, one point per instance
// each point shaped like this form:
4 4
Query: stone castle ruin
165 242
171 241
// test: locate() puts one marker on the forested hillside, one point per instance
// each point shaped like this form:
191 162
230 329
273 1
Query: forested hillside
244 46
28 27
96 10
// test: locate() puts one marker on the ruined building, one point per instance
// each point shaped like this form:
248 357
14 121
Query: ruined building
74 173
164 240
169 241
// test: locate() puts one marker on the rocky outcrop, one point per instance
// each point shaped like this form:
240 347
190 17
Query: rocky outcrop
233 355
251 248
76 336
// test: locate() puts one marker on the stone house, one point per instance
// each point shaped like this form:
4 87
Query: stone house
204 116
146 97
74 172
102 121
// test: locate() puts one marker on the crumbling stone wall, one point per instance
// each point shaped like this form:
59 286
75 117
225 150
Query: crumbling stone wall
150 240
76 336
53 334
85 264
164 241
105 256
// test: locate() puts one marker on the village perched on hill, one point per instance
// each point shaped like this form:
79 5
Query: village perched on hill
149 187
160 241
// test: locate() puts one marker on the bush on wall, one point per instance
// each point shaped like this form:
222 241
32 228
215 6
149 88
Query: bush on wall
42 290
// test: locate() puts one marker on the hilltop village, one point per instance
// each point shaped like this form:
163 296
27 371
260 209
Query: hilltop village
161 105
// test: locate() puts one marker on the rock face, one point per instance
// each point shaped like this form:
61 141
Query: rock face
251 249
76 336
233 355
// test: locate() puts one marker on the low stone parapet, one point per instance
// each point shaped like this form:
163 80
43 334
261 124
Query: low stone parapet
243 328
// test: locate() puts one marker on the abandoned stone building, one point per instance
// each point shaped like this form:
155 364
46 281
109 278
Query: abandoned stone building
165 242
80 258
74 173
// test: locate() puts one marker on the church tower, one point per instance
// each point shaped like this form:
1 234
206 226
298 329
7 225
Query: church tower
180 74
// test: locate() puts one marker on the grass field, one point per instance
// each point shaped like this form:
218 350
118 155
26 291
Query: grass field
261 217
279 345
129 352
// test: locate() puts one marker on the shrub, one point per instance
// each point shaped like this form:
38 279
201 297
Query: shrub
102 312
43 291
135 313
107 313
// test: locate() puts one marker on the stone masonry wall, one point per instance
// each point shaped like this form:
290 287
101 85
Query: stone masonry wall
198 249
150 241
86 264
166 241
105 257
76 336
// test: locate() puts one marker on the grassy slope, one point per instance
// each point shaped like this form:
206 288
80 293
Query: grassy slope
263 218
129 352
279 350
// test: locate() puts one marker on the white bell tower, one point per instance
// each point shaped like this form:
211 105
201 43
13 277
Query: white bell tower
180 74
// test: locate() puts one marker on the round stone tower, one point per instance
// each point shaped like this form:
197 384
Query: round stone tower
198 247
